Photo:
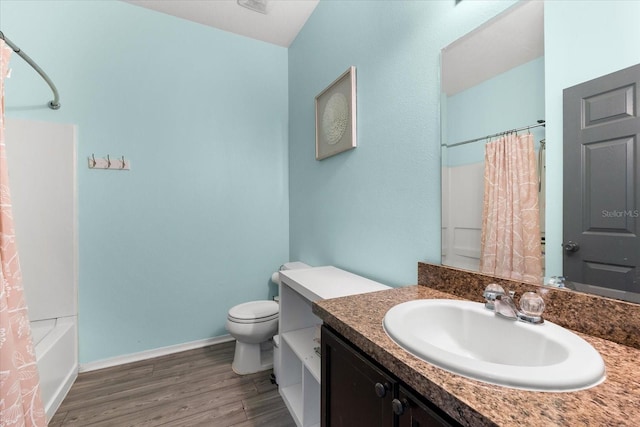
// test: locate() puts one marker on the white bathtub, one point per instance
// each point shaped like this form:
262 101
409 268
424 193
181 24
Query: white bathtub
57 356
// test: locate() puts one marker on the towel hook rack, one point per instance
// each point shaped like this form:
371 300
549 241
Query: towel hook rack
118 163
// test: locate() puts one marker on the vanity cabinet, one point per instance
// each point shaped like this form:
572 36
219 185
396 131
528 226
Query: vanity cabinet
354 391
357 392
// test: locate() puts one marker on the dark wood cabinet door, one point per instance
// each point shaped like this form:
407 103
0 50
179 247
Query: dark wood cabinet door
412 412
355 393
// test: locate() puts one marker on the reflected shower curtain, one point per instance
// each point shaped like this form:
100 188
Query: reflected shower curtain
20 402
510 245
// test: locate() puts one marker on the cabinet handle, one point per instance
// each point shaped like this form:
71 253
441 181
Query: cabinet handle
381 389
399 406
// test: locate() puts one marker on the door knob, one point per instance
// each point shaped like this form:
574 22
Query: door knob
571 247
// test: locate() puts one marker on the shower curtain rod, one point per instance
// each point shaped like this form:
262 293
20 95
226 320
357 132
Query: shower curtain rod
540 123
55 104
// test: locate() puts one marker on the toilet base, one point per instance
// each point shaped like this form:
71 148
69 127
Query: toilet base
252 358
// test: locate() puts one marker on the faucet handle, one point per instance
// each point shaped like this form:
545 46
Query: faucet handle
532 306
491 292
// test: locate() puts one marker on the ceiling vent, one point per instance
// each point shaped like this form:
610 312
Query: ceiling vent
255 5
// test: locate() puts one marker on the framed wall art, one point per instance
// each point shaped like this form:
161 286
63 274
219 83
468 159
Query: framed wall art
336 116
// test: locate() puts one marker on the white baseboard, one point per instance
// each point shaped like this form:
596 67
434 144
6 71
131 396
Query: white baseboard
150 354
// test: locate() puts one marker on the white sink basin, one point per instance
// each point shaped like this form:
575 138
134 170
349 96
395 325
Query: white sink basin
465 338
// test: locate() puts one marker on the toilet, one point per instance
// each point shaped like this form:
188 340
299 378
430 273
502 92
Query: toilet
253 324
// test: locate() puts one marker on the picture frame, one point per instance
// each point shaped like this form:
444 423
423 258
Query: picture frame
336 116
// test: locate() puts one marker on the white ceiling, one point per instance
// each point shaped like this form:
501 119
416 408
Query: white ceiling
280 26
514 37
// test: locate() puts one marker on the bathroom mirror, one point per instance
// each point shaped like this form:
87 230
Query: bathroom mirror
493 80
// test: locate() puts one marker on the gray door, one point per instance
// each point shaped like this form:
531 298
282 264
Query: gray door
602 185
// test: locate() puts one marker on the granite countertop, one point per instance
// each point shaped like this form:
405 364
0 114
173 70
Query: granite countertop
615 402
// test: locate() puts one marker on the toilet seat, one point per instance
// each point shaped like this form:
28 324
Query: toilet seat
254 312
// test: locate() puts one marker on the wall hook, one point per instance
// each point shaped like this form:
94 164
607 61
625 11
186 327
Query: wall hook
119 163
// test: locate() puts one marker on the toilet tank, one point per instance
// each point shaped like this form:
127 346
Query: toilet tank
296 265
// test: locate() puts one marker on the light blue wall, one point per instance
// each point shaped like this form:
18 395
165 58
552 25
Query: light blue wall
374 210
510 100
583 40
201 220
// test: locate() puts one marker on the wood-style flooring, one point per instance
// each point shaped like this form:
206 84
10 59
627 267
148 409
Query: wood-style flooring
191 388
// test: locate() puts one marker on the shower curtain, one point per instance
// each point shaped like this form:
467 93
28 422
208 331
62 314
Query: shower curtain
510 245
20 402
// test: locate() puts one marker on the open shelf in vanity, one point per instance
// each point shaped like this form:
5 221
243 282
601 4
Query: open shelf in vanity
303 345
299 364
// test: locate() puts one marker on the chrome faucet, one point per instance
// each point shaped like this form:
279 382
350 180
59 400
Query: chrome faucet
505 306
490 294
531 304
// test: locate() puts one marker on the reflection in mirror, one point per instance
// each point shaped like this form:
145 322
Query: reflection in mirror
493 82
601 227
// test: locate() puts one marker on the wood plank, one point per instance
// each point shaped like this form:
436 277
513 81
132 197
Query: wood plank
141 385
162 412
279 418
225 415
263 404
218 393
191 388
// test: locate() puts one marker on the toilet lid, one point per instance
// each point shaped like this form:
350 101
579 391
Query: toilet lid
258 311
